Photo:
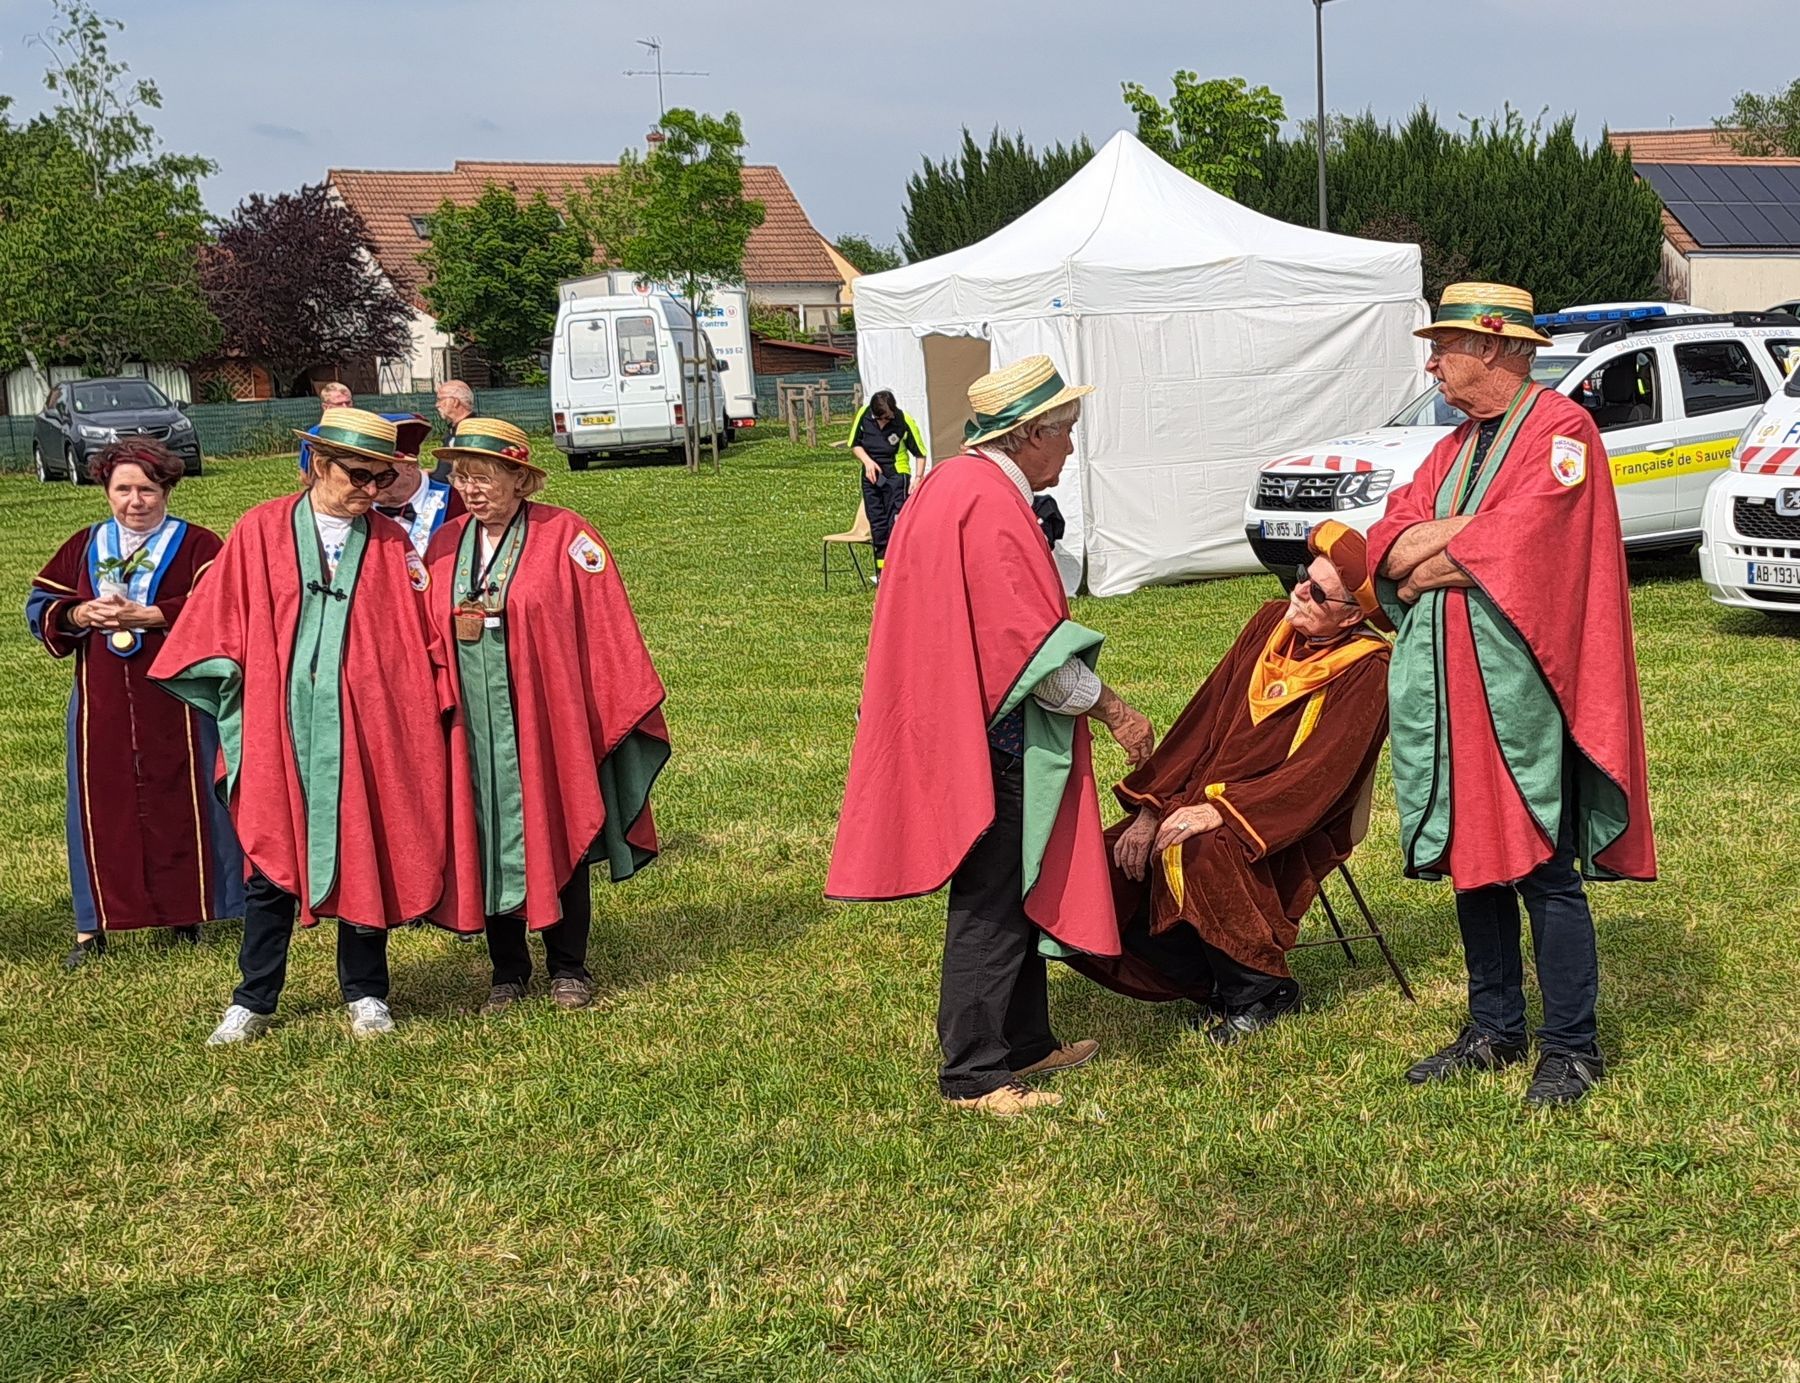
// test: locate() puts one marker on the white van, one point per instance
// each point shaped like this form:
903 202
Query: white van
1669 391
724 317
623 378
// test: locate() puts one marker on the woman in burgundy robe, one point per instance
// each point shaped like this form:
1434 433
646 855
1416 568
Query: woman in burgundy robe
149 845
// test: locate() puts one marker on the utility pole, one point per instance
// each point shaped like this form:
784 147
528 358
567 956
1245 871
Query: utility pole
654 47
1319 39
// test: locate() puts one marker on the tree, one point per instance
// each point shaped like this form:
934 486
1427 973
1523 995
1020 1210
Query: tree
494 271
867 256
678 216
99 232
1500 199
294 283
1215 131
99 107
957 202
1764 126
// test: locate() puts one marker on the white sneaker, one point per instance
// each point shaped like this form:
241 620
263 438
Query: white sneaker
240 1025
369 1017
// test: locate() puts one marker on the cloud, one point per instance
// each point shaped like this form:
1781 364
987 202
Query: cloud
286 134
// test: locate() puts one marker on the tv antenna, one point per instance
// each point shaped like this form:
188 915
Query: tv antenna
654 47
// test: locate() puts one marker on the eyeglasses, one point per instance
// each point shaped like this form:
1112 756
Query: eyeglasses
1308 589
362 479
474 482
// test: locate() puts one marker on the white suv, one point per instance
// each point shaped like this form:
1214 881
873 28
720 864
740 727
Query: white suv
1750 543
1670 391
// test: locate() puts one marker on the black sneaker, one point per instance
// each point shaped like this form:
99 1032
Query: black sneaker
1472 1051
1239 1023
84 951
1564 1078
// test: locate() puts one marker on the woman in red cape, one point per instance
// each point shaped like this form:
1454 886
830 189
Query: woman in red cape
558 734
308 643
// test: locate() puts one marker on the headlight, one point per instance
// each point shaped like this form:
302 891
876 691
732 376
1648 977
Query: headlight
181 425
1362 487
98 434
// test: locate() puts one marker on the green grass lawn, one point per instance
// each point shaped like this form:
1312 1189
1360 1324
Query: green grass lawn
736 1166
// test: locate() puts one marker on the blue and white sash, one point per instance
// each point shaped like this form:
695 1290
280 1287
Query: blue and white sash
428 514
143 583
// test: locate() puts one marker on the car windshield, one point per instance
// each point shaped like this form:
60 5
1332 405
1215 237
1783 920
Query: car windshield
108 395
1430 410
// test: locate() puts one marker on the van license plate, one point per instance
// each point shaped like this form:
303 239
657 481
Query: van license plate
1286 528
1773 574
594 420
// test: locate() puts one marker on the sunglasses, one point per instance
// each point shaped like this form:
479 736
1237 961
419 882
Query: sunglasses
1308 589
362 478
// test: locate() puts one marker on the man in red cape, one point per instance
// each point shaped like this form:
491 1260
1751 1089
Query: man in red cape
971 763
1518 738
308 644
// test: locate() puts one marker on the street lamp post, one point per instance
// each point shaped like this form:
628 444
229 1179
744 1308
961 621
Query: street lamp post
1319 44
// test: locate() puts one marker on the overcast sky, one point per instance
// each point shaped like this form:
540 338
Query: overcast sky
277 93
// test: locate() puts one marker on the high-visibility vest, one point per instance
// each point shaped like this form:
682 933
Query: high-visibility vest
909 439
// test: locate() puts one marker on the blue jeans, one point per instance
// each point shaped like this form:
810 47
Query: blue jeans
1562 938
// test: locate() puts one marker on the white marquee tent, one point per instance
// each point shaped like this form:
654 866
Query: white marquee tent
1216 338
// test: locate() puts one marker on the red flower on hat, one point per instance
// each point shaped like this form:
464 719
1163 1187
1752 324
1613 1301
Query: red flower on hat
516 453
1493 321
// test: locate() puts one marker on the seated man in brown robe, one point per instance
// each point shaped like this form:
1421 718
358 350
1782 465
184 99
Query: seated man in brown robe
1247 802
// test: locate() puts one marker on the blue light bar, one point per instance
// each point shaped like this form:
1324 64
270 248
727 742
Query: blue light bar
1599 318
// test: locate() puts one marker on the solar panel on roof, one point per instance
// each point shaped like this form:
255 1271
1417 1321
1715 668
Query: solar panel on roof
1737 205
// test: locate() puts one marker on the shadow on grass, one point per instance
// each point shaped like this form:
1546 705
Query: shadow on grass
1754 624
1662 569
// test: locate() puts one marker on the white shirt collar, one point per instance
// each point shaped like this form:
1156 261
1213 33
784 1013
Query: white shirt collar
1010 469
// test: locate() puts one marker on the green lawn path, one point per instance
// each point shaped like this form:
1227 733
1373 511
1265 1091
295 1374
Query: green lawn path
736 1166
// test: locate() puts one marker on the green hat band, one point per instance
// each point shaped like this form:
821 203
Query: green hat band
497 446
1477 312
1014 413
350 437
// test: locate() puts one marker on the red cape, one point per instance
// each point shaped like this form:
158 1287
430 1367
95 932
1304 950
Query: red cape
1546 550
582 681
969 596
231 654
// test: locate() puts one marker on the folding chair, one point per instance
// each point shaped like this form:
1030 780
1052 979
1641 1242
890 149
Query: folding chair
1359 828
857 533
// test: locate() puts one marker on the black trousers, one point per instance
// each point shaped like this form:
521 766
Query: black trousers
1192 963
993 998
881 502
1562 937
362 964
565 942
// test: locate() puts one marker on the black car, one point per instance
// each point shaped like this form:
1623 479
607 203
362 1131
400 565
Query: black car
83 415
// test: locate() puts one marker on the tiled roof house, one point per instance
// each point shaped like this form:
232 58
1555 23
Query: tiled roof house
787 262
1731 223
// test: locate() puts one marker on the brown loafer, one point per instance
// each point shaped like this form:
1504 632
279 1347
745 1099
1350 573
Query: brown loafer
1009 1101
571 993
502 997
1064 1058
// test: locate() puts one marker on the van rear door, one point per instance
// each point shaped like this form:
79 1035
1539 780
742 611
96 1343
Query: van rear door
591 388
646 366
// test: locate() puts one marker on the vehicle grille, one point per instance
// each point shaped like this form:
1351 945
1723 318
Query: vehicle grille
155 434
1282 554
1312 493
1779 597
1761 521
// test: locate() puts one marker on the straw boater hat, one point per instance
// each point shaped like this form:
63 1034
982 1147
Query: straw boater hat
351 432
490 439
1488 309
1020 392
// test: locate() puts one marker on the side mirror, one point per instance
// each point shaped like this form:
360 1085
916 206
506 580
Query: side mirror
181 405
721 365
